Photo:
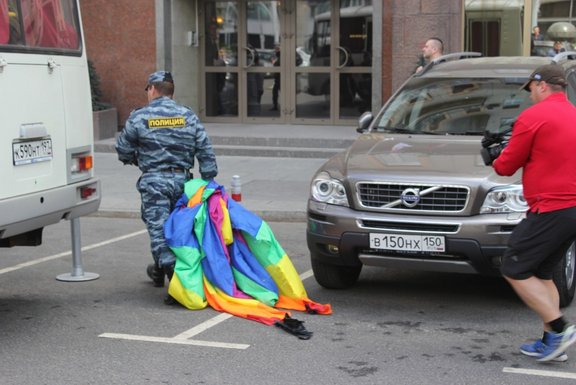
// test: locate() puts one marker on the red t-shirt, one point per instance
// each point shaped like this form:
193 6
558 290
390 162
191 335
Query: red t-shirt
543 142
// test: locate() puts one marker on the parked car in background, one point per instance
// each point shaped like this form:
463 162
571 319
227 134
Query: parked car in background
302 57
412 192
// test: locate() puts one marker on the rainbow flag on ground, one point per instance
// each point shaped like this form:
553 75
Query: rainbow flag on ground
228 258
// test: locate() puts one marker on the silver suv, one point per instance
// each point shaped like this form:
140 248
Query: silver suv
412 192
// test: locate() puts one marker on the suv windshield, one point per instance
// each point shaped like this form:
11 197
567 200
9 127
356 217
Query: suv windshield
454 106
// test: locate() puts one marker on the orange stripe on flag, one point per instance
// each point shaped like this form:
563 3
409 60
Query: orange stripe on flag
246 308
197 197
302 304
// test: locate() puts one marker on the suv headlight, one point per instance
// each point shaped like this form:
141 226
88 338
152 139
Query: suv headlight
328 190
505 199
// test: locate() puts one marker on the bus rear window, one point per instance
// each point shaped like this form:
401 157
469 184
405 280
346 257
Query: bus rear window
39 24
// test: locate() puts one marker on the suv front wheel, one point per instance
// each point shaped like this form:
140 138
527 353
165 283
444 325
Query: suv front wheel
334 276
564 275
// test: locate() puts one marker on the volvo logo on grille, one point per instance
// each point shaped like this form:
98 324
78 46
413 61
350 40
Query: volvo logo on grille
410 197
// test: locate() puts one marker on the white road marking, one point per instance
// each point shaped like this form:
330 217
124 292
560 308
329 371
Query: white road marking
542 373
178 341
203 326
306 275
67 253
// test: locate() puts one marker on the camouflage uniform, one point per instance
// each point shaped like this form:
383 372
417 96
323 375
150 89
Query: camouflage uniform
162 139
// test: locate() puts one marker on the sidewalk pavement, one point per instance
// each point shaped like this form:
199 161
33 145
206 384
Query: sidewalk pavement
275 188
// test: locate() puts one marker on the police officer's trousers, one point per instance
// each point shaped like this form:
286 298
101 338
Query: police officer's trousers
159 192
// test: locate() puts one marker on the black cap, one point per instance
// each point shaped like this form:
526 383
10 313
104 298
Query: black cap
549 73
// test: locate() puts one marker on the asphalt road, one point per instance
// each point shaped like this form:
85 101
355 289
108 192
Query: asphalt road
393 327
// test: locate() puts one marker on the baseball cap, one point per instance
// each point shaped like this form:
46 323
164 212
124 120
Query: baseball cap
159 76
549 73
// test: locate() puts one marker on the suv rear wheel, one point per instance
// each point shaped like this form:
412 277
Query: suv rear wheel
334 276
564 275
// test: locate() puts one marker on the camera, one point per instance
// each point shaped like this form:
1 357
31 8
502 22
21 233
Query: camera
489 154
493 144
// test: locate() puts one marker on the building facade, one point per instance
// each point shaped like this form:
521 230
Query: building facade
321 62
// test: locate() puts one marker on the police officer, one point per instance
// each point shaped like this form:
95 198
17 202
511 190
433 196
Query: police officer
162 139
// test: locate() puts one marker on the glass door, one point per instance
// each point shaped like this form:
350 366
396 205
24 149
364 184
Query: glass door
295 61
220 55
264 70
242 65
334 83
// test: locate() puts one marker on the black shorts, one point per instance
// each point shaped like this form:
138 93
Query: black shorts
538 244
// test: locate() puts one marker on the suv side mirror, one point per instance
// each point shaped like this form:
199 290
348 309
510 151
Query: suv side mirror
364 121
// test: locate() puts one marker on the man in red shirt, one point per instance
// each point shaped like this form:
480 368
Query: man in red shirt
543 143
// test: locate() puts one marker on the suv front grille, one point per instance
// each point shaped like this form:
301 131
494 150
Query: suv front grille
418 227
412 197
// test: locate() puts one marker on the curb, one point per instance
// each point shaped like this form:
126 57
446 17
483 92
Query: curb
266 215
255 151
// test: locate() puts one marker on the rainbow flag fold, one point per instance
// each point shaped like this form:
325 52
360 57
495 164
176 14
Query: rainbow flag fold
228 258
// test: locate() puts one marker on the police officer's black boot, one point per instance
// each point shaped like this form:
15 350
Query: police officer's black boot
156 274
169 271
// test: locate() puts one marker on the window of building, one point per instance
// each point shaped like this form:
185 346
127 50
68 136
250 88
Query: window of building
501 27
555 20
493 28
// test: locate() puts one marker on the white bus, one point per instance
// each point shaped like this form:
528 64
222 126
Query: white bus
46 138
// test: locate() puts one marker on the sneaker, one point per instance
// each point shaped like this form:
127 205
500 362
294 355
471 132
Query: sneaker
557 343
156 274
535 350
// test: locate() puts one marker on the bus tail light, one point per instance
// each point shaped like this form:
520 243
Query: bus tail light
82 163
86 192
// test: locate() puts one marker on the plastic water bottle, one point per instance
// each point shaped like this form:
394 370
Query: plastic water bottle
236 188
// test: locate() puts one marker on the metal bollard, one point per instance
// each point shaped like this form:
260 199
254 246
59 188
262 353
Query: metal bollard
236 188
78 274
